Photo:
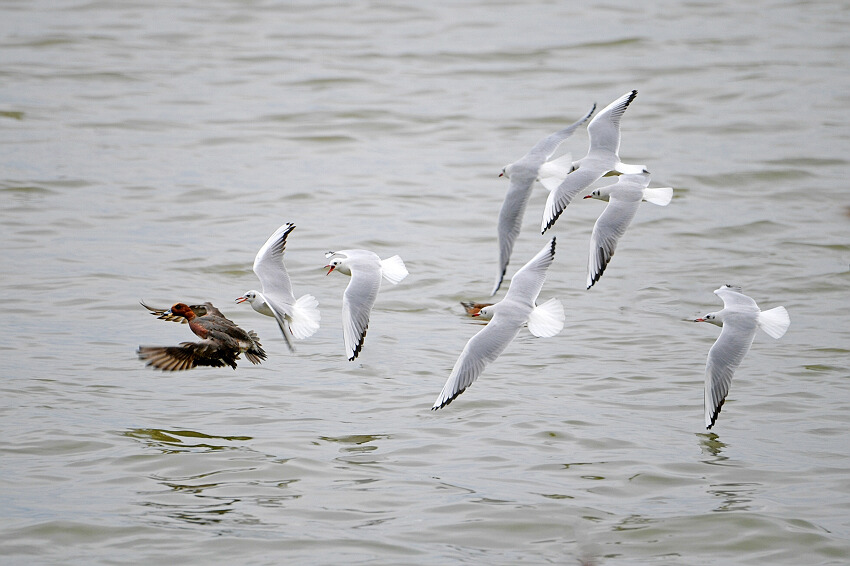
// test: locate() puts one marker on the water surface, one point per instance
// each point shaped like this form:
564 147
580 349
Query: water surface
149 148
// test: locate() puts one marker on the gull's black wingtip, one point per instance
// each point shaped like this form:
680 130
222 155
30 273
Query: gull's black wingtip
448 401
359 345
499 282
715 414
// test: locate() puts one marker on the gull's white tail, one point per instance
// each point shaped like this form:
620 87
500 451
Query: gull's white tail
305 318
547 320
628 169
660 195
552 173
393 269
774 321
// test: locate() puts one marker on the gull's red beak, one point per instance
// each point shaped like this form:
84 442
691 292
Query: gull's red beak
241 299
330 268
699 320
587 196
476 313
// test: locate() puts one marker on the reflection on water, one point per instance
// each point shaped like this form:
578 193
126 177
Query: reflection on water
228 485
735 496
357 439
170 441
711 445
633 522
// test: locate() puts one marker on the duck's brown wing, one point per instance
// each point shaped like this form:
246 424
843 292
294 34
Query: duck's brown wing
211 310
165 314
188 355
230 336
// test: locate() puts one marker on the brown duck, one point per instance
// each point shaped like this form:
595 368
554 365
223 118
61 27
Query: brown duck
473 309
221 340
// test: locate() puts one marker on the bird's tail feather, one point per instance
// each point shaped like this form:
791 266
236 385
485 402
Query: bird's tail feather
305 317
659 195
552 173
629 169
547 320
774 321
393 269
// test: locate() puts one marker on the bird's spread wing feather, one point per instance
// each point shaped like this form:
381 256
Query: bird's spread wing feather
610 225
270 270
283 324
187 356
528 281
558 199
724 357
733 298
357 302
481 349
165 314
604 129
510 219
544 149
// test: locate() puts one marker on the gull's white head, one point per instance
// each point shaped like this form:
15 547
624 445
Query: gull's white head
506 171
250 296
485 312
602 193
711 318
338 263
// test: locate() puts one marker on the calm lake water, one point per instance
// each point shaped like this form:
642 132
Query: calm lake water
148 149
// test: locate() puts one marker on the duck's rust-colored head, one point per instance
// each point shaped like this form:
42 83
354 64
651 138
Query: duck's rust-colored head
182 309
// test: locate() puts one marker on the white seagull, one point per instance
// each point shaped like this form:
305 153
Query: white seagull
624 198
296 318
602 158
508 315
533 165
739 318
366 270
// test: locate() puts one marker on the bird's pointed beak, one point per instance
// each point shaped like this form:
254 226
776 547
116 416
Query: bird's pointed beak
242 299
476 314
329 268
587 196
699 320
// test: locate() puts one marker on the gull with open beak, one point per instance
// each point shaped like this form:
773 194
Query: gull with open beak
366 270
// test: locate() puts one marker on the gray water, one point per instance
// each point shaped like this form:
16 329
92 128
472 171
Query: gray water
147 150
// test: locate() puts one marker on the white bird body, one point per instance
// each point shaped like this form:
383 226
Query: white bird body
366 270
296 318
623 197
522 174
739 319
602 158
508 316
